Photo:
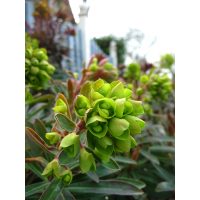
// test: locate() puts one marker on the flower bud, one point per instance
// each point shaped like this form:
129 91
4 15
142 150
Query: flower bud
34 70
81 105
97 126
75 75
37 53
144 79
139 91
93 67
60 107
50 69
52 168
43 64
134 67
86 162
123 107
27 62
66 177
103 157
33 80
94 61
70 144
104 145
167 85
28 53
136 124
27 70
119 128
147 109
130 86
44 76
53 137
146 99
34 61
108 66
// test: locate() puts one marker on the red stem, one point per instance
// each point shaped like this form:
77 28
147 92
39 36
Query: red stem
58 154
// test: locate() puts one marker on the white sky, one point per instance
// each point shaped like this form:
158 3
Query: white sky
152 17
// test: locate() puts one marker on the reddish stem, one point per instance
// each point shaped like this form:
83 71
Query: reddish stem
58 154
81 145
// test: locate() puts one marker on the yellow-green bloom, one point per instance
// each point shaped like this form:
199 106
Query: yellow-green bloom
139 91
52 168
43 64
86 162
137 107
70 144
33 80
50 69
66 177
123 107
34 61
123 145
103 157
81 105
60 107
147 109
38 53
53 137
44 76
27 62
119 128
34 70
97 125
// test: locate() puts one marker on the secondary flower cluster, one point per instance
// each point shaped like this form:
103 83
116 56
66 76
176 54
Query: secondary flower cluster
132 71
53 168
37 68
110 118
109 72
161 86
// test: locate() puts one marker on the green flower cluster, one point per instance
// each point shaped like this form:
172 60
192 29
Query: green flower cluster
133 71
105 67
37 68
53 168
31 41
161 86
167 61
110 118
28 95
147 109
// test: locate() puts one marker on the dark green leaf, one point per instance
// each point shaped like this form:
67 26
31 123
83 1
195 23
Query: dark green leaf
149 156
93 176
137 183
89 196
108 187
125 160
162 149
65 195
42 98
152 139
65 122
165 186
53 190
34 188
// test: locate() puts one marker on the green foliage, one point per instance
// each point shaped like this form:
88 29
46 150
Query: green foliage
167 61
31 41
104 44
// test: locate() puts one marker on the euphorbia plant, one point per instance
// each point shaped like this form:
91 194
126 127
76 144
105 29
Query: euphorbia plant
107 120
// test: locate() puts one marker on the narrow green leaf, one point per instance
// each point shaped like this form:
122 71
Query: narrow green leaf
137 183
91 196
125 160
53 190
65 122
165 187
108 187
162 149
41 98
112 164
65 195
93 176
159 139
34 188
149 156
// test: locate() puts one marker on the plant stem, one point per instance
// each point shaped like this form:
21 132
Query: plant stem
81 145
58 154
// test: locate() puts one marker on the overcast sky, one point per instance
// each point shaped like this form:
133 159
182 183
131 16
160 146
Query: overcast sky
155 18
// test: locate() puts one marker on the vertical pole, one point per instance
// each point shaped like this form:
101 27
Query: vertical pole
83 15
113 52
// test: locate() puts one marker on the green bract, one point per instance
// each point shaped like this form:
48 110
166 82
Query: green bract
86 162
66 177
53 137
139 91
60 107
123 145
119 128
136 124
144 79
137 107
118 91
81 105
70 144
52 168
103 157
105 107
123 107
104 145
147 109
100 90
97 126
